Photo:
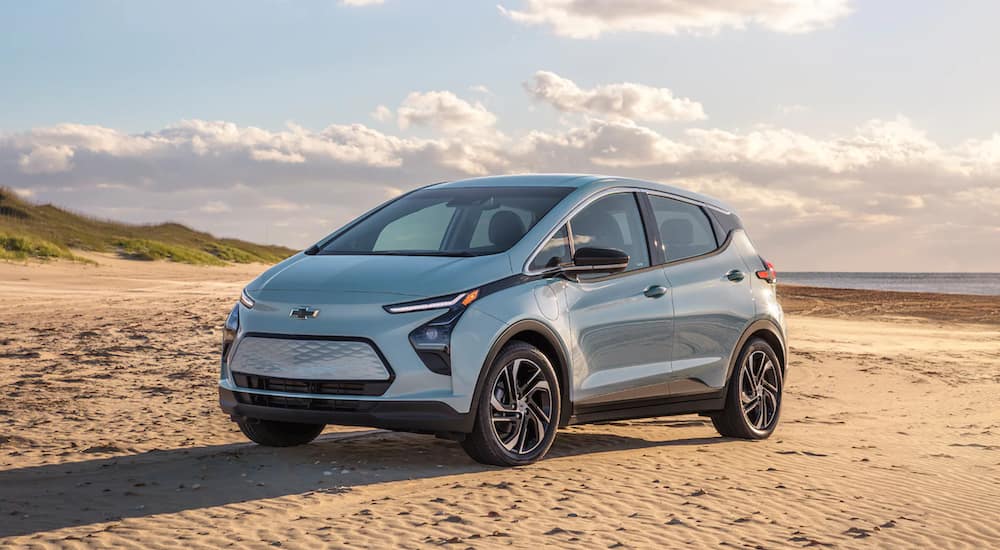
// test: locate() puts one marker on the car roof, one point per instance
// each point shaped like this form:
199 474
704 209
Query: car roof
578 181
524 180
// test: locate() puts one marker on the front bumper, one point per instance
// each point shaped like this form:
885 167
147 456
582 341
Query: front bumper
432 417
353 365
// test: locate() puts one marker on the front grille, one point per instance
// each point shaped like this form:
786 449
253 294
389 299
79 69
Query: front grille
309 358
320 387
303 403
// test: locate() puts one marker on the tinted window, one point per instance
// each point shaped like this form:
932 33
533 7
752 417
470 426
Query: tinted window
420 230
459 221
554 253
481 233
612 222
726 223
685 230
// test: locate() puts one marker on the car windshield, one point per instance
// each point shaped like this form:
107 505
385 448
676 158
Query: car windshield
460 221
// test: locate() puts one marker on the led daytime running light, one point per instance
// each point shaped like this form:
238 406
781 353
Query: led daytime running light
462 298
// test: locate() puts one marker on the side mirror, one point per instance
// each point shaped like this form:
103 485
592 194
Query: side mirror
599 260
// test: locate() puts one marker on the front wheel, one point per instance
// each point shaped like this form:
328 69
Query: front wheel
518 412
279 434
753 401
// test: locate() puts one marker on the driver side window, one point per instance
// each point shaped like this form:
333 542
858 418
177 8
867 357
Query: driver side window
612 222
554 253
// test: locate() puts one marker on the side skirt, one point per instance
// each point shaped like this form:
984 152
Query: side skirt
648 408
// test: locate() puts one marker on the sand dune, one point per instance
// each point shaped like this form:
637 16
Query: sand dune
110 436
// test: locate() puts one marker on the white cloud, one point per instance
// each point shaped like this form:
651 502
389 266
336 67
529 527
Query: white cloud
591 18
876 142
621 144
358 3
810 202
445 111
382 113
625 100
273 155
983 155
46 159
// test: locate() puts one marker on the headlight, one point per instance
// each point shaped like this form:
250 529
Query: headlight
432 340
246 300
462 299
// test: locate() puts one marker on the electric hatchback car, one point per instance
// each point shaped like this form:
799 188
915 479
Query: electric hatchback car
494 310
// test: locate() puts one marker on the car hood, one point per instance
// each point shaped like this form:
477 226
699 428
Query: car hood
408 276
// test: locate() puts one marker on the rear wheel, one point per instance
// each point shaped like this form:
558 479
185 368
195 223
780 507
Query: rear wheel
279 434
518 412
753 401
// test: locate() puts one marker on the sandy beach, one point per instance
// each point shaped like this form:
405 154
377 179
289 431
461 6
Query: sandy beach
111 436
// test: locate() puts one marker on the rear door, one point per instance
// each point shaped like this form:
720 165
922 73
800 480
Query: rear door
622 322
712 300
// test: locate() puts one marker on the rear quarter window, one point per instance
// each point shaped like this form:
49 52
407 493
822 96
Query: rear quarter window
724 223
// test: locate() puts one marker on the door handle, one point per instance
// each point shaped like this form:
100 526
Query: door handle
655 291
735 275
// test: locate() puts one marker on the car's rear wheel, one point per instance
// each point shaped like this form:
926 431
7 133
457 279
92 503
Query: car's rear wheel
753 401
279 434
518 412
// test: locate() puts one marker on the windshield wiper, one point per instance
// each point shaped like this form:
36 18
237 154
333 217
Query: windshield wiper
435 253
440 253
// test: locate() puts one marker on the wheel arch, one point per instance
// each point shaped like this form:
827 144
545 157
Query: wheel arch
541 336
766 330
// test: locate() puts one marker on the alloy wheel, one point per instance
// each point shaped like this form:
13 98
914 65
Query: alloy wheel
521 406
760 390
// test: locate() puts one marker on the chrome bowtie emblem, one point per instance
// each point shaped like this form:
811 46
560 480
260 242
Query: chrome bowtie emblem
304 312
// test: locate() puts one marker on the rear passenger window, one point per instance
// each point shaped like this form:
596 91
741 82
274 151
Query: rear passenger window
685 230
612 222
554 253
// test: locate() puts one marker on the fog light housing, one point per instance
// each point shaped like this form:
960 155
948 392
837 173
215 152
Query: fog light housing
431 337
432 342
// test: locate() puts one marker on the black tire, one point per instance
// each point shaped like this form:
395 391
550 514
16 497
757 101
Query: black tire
486 443
740 418
279 434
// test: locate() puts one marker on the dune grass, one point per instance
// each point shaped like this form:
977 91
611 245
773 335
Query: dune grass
46 232
14 247
19 248
145 249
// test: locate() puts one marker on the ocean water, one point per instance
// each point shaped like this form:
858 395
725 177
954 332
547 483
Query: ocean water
947 283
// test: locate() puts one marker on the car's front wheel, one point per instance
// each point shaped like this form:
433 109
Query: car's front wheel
279 434
518 412
753 401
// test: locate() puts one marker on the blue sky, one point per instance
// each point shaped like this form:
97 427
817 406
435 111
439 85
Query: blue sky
923 71
141 65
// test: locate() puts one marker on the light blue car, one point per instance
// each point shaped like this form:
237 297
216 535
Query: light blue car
493 310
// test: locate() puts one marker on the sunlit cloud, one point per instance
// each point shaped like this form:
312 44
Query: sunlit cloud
592 18
813 201
625 100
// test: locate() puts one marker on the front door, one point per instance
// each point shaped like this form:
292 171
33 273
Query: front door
622 323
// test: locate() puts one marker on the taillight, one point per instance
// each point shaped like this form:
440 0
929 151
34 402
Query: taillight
768 274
